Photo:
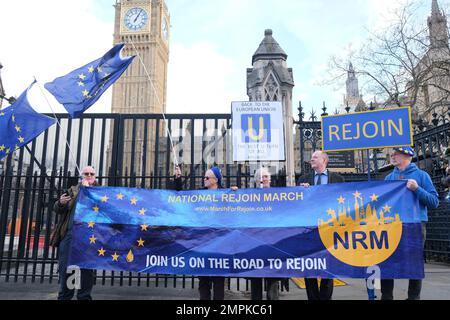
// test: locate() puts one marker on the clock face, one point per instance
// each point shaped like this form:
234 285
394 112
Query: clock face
136 19
165 29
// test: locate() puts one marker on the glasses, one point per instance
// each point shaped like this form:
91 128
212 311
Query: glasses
87 174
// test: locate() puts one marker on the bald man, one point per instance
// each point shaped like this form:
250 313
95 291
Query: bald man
320 175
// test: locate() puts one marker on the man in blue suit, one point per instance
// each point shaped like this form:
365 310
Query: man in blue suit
320 175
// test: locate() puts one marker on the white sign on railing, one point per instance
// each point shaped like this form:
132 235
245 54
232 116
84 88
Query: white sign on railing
258 133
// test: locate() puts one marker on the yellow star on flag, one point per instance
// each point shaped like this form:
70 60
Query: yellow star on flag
142 212
82 76
7 150
357 195
99 69
2 114
115 257
101 252
81 84
341 200
16 147
134 201
374 197
85 93
386 208
91 224
13 118
91 69
2 147
105 199
18 129
21 139
96 209
92 239
144 227
120 196
140 242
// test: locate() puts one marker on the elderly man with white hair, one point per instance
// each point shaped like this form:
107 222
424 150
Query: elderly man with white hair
263 180
62 237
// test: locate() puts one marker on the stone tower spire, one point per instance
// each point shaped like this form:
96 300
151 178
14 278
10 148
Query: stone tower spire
437 25
434 7
352 83
271 80
269 49
353 99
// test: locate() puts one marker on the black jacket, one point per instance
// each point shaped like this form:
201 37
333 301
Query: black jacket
332 178
177 184
65 213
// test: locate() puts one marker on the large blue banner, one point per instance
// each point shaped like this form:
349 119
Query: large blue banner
367 130
330 231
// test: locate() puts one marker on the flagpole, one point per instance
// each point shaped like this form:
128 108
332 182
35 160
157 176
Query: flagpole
175 158
261 185
59 124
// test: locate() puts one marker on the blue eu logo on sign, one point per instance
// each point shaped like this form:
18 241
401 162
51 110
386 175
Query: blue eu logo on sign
255 128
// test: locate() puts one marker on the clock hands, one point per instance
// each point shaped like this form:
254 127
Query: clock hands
136 18
138 15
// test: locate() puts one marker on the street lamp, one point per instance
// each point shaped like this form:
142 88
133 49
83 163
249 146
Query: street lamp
11 100
378 158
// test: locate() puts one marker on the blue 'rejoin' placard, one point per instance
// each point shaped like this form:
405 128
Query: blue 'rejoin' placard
368 130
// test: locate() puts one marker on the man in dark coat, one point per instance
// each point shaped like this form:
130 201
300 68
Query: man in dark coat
62 237
320 175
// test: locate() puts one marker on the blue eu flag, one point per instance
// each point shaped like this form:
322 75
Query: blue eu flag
19 124
81 88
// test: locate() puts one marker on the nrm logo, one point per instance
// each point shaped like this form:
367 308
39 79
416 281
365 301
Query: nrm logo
367 239
360 238
255 128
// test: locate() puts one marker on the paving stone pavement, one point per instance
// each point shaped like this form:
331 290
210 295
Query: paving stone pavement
436 286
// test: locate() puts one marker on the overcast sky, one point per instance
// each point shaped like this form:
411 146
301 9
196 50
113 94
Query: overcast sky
211 45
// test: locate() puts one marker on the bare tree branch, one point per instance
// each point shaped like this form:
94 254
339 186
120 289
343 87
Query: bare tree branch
398 64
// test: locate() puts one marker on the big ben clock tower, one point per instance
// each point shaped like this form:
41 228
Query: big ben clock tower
144 23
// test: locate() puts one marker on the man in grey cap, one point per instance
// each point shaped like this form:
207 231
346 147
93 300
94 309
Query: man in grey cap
420 183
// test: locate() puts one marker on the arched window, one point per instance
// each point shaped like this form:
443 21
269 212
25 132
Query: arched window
272 89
